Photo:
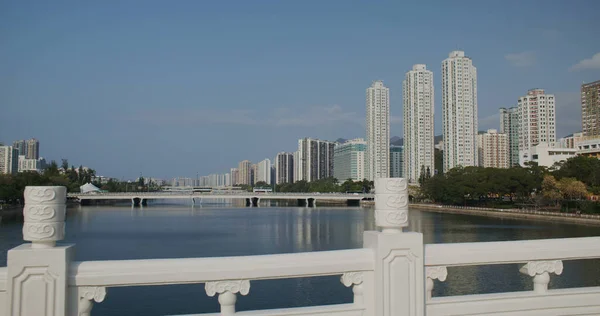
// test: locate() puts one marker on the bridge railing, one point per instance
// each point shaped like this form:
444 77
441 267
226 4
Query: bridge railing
541 260
392 275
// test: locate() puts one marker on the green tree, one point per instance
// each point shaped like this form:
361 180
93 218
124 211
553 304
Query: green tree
551 190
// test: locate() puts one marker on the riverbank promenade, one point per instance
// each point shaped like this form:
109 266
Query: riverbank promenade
392 275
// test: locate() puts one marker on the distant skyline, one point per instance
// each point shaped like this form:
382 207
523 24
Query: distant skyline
172 89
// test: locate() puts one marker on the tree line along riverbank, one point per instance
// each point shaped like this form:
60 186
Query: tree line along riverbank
571 186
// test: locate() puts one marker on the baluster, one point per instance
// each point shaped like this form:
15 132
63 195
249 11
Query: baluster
226 291
87 297
354 279
433 273
540 271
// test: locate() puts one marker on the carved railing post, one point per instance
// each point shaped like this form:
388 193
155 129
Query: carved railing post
540 271
433 273
398 277
227 290
37 272
87 297
354 279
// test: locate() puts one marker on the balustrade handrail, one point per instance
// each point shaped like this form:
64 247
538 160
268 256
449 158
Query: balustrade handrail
199 270
3 273
501 252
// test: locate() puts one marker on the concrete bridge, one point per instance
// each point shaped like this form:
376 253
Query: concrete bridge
251 198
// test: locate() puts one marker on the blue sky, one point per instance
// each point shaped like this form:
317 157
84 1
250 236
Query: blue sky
172 88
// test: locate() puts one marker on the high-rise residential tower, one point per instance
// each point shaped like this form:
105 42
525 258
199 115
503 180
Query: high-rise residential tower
509 125
397 162
33 149
537 119
263 172
492 149
315 159
245 172
590 108
349 160
21 147
9 160
234 174
459 111
417 94
378 131
284 168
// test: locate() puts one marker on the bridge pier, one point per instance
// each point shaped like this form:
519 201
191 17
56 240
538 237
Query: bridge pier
136 201
248 202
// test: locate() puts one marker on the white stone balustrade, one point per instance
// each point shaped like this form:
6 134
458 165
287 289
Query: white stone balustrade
540 271
392 275
227 290
87 296
391 204
354 280
434 273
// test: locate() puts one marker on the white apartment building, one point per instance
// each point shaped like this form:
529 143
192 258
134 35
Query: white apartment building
378 131
546 154
284 168
9 160
397 162
25 164
493 149
459 111
263 172
245 172
537 119
418 102
315 159
349 160
509 125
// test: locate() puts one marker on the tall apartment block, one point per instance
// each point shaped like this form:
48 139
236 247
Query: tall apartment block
234 174
509 125
349 160
459 111
284 168
21 147
33 149
378 131
418 102
397 162
537 119
493 149
245 172
263 172
9 160
315 159
590 108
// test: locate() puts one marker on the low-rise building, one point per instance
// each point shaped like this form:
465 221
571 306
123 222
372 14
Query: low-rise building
589 147
546 154
27 164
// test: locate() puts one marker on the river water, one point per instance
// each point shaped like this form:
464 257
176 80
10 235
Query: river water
182 231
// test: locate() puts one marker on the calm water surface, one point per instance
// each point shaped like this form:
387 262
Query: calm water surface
178 231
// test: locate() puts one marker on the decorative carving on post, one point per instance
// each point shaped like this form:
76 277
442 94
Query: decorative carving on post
391 204
44 214
540 271
354 279
433 273
227 290
87 297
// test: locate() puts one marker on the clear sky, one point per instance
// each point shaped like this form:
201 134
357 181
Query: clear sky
172 88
